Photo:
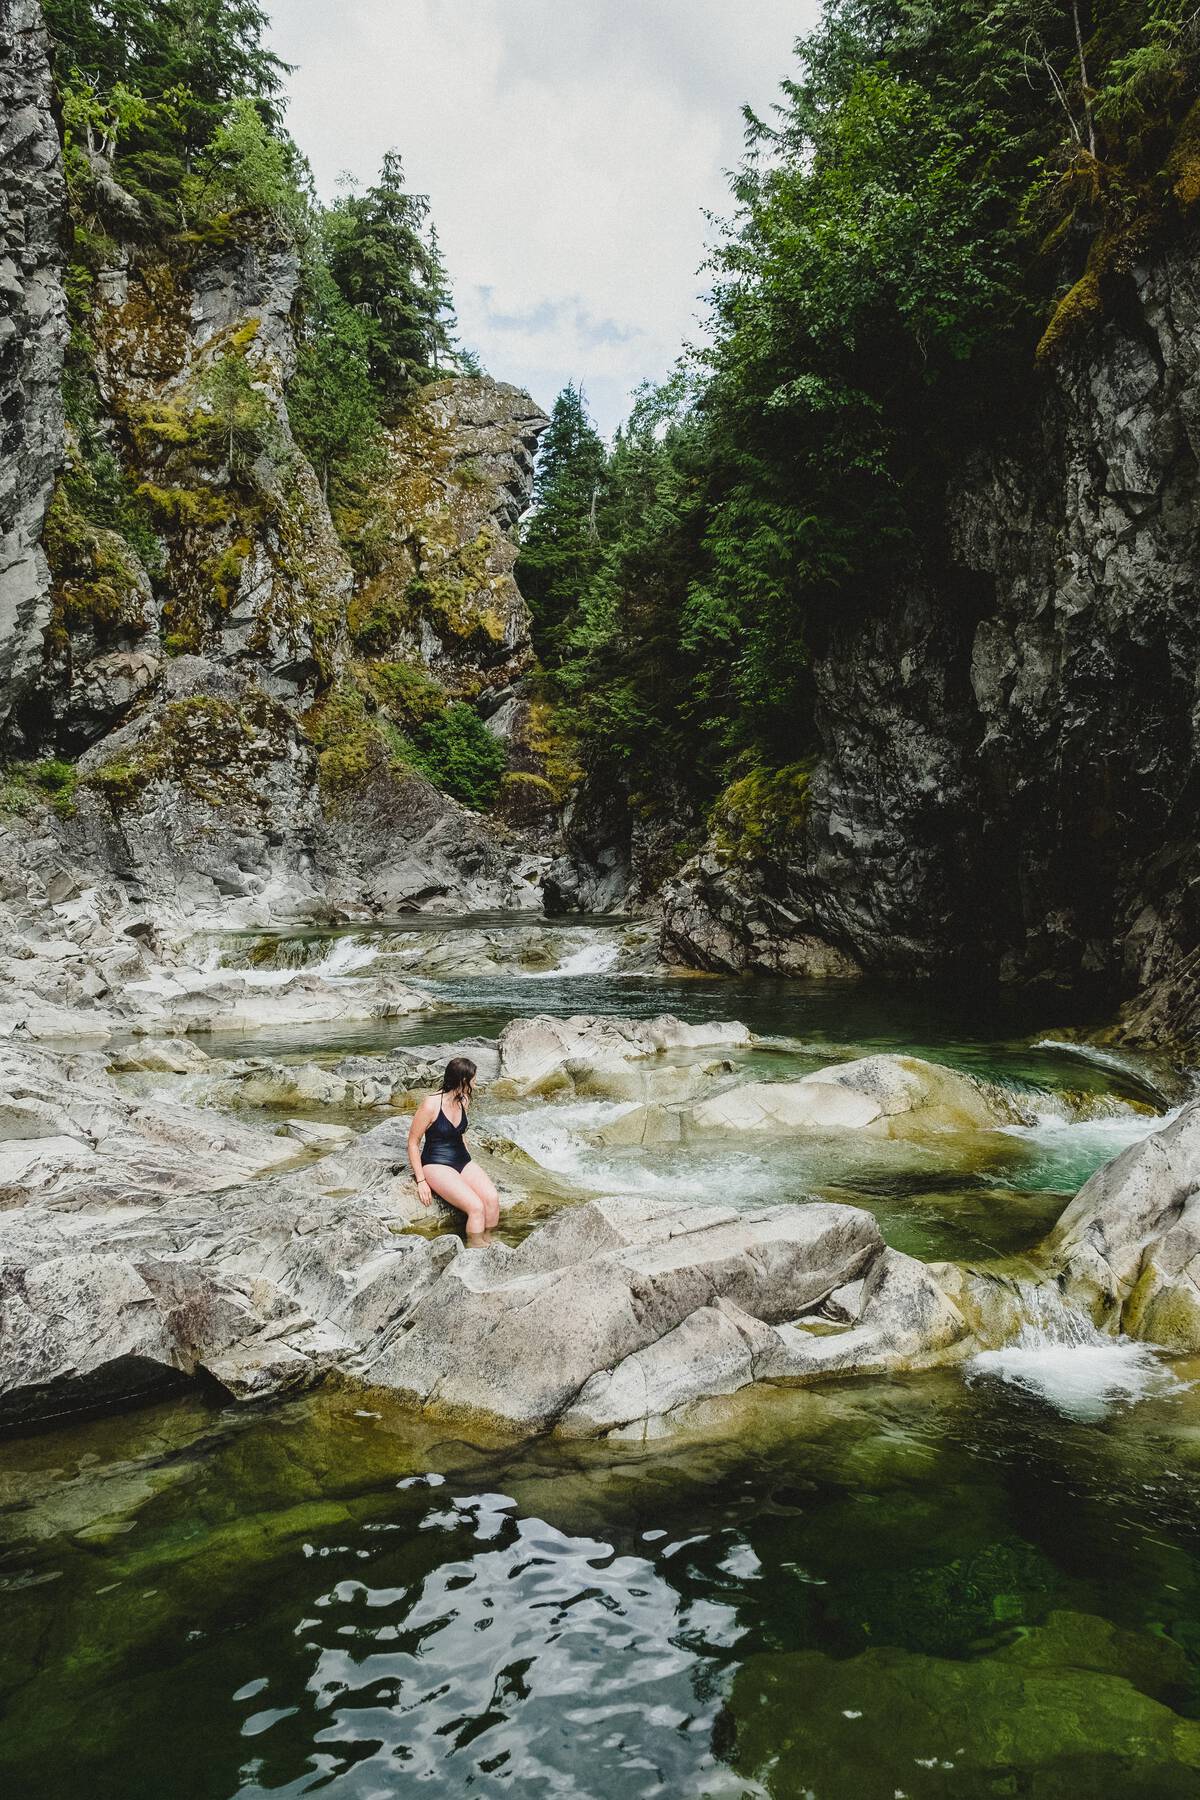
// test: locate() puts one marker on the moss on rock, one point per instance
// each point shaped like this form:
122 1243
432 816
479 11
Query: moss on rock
216 750
763 814
97 583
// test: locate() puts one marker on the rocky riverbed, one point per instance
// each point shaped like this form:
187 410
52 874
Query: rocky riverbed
288 1465
202 1170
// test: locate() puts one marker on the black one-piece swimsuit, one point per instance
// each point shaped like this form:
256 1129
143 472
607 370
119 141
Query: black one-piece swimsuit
443 1141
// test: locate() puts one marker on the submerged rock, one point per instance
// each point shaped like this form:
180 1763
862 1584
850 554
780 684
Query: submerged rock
1055 1715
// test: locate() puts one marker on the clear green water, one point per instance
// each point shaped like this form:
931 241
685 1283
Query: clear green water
829 1591
928 1586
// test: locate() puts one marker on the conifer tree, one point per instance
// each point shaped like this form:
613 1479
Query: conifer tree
561 546
380 257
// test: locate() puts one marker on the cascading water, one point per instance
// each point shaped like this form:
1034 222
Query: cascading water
340 956
596 958
1060 1356
845 1570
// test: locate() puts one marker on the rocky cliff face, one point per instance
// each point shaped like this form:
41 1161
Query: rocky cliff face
1010 761
32 339
177 614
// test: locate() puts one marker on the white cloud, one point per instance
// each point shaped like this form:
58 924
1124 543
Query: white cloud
569 148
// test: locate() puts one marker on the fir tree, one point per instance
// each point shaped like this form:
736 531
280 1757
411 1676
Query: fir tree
380 257
561 547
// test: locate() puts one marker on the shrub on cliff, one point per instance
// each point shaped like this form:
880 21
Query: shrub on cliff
458 752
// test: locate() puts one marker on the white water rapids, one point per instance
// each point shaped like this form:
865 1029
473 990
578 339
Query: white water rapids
1060 1356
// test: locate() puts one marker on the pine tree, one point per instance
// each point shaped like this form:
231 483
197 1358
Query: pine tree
165 73
381 260
332 401
561 548
444 336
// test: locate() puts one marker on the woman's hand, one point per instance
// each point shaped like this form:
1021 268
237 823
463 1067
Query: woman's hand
424 1193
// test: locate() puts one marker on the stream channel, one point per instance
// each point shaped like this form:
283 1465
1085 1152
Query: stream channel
971 1582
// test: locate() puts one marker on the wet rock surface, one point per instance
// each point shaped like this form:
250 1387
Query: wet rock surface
146 1238
619 1312
1127 1248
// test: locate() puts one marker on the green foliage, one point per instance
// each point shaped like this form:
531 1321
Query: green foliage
26 785
940 188
386 265
394 716
146 83
246 166
458 752
407 691
375 621
333 404
560 546
348 740
376 322
96 489
762 814
95 585
239 416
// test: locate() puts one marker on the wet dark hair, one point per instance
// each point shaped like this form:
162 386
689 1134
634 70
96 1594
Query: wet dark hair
460 1073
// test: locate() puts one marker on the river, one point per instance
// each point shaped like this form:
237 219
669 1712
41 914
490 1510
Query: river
965 1583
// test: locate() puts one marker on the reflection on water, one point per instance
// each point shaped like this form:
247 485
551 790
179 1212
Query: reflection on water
331 1599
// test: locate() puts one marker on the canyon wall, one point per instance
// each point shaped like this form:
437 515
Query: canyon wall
199 688
1008 776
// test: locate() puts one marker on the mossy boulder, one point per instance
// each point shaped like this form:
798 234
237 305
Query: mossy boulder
216 750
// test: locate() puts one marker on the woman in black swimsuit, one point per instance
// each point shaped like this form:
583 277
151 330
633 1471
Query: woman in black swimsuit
442 1164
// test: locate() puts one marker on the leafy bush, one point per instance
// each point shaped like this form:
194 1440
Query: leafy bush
52 781
458 752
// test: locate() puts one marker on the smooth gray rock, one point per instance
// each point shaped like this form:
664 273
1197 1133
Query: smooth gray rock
517 1334
597 1055
1127 1248
906 1321
143 1239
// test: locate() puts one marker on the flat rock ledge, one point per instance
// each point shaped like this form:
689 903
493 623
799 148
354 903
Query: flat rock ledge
145 1241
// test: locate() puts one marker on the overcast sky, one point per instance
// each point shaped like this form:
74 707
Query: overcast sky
569 148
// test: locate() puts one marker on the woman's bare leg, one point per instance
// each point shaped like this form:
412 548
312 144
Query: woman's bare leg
485 1187
449 1185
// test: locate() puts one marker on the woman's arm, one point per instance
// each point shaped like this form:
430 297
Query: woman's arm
422 1119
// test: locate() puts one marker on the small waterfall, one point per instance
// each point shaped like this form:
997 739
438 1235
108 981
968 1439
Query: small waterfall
594 958
345 956
1159 1084
1050 1322
1060 1356
272 962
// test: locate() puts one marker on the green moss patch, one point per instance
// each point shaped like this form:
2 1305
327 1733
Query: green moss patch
763 814
96 584
25 786
213 749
